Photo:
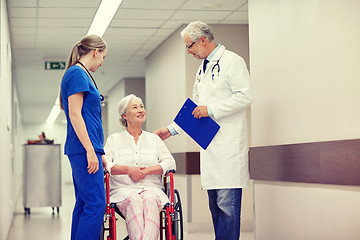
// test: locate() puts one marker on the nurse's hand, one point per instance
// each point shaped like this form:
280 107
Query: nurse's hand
104 162
93 162
200 111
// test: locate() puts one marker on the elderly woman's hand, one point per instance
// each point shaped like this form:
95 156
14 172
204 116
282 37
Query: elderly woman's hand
136 173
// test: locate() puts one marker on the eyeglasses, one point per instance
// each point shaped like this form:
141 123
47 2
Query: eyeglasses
188 47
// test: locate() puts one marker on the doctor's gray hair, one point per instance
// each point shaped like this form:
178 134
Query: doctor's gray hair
123 106
196 30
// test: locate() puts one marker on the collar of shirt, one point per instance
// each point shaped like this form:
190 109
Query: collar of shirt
133 138
213 52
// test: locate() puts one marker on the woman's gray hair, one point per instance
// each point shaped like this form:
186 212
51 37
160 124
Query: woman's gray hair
123 106
196 30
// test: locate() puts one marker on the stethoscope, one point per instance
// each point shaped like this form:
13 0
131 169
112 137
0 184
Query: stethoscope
215 67
101 96
218 69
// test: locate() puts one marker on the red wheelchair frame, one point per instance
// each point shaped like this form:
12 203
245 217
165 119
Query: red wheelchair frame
171 218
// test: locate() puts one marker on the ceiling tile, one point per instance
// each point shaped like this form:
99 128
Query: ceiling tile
133 32
25 45
223 4
173 23
244 7
142 14
153 4
23 22
135 23
22 3
61 30
22 12
68 3
24 38
54 22
205 16
237 16
164 33
23 31
65 13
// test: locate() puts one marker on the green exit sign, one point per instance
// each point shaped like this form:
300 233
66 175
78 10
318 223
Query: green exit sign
54 65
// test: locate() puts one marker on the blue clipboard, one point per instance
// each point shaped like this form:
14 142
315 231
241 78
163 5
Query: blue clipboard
202 130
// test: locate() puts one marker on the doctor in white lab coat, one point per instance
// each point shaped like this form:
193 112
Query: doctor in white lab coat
222 92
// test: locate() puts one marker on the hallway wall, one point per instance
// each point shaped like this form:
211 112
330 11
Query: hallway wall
305 75
6 160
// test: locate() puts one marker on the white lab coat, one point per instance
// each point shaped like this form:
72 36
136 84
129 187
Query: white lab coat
224 164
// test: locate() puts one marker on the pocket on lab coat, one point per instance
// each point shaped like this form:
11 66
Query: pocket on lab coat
227 141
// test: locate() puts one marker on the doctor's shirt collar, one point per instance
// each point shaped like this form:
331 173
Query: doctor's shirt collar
213 52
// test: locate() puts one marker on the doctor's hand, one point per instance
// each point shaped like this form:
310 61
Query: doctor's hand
163 133
93 162
200 111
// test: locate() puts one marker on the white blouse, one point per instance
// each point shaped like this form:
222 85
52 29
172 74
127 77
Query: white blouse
150 150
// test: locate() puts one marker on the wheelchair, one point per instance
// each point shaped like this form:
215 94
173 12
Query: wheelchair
171 217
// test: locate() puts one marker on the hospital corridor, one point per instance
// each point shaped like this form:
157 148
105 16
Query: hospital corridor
255 103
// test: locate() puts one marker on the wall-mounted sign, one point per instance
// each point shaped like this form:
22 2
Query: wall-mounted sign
55 65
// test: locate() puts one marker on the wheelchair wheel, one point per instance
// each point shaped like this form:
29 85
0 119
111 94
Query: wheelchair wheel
177 220
178 229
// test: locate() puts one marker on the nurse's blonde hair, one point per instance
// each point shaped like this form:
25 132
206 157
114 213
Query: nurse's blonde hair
86 45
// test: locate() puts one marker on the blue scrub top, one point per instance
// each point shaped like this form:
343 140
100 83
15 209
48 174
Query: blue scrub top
76 80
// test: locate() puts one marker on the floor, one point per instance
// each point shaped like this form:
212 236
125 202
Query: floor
42 224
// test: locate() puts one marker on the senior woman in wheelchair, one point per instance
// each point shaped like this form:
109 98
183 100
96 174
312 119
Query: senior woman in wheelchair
136 160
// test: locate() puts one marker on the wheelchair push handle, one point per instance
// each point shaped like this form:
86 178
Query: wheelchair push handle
170 171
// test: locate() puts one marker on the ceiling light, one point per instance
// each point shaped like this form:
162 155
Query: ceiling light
103 16
55 111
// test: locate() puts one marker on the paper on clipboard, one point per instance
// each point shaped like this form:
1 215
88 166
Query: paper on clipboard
202 130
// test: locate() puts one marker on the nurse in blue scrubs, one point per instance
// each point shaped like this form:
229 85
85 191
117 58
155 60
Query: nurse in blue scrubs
81 102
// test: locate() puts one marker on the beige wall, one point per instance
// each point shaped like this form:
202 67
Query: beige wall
165 87
6 160
305 76
305 70
17 142
298 211
113 99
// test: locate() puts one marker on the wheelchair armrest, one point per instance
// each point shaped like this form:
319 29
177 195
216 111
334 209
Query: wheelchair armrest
169 171
117 210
